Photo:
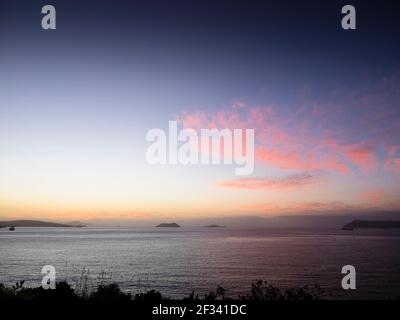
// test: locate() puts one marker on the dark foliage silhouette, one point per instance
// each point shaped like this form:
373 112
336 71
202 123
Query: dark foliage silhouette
109 292
260 291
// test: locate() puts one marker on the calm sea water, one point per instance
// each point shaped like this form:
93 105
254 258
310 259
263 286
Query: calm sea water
177 261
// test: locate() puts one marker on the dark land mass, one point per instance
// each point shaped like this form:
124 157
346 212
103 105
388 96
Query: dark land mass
213 226
168 225
371 224
35 223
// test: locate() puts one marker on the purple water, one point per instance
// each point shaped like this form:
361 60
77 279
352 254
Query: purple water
177 261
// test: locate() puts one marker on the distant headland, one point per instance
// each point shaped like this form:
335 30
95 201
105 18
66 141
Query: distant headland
168 225
371 224
37 223
213 226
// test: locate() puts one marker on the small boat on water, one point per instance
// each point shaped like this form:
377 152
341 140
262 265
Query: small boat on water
12 228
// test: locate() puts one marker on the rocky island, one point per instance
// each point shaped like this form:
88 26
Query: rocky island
168 225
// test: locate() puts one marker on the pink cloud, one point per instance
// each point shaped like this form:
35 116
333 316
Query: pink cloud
393 164
392 161
289 182
288 143
305 207
362 156
374 196
392 150
347 131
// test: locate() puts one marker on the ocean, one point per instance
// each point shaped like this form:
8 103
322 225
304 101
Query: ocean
176 261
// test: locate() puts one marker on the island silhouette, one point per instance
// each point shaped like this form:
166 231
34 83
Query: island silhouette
213 226
168 225
38 223
378 224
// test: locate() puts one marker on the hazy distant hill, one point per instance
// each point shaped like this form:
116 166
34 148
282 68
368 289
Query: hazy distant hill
168 225
76 223
35 223
213 226
371 224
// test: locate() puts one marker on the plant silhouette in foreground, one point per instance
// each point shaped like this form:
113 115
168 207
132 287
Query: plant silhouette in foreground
109 292
260 291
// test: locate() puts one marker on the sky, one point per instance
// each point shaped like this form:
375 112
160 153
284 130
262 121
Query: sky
76 104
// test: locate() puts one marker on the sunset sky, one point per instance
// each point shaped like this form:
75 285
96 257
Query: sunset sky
76 104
